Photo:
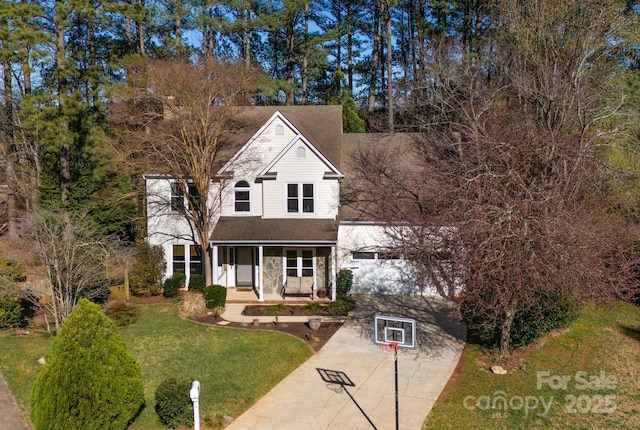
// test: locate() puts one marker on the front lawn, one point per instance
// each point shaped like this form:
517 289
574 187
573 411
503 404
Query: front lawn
235 367
587 377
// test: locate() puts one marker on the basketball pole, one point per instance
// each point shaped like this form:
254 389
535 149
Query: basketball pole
396 371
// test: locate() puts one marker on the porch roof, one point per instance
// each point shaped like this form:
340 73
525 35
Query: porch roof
257 230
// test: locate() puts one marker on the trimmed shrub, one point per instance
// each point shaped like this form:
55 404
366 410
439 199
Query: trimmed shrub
12 271
215 296
173 404
342 305
172 285
344 282
197 283
145 277
10 312
91 381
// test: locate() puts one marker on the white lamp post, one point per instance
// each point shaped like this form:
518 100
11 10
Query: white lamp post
195 395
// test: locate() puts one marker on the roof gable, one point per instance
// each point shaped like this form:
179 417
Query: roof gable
329 140
331 169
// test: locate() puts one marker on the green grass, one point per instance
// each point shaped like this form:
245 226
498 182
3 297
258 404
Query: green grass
603 339
235 367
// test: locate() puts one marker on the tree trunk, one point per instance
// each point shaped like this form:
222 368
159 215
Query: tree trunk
305 58
374 59
505 331
10 155
65 151
140 32
350 49
389 73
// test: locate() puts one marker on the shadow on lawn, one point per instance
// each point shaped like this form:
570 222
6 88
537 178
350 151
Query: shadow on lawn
631 332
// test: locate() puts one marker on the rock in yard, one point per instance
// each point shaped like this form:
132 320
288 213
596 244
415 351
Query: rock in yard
498 370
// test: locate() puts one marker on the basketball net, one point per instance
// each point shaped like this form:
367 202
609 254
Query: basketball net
390 349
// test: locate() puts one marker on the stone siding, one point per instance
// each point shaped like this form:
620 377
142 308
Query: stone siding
272 270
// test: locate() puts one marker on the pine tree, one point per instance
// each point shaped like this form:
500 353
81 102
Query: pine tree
90 381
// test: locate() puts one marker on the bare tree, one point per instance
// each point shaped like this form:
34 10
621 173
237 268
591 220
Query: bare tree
512 170
73 258
179 117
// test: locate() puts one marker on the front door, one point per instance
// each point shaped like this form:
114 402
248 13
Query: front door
244 267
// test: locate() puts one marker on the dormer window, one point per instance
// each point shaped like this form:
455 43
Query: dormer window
279 130
241 197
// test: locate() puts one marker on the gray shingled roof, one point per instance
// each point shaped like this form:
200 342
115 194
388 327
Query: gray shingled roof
321 125
274 231
398 149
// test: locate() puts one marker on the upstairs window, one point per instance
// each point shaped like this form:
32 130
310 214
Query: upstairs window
241 197
300 196
178 202
177 196
279 130
193 195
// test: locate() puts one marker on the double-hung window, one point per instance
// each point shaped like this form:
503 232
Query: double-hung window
177 196
241 196
300 198
299 262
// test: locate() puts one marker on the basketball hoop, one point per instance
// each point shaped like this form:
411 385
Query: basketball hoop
391 349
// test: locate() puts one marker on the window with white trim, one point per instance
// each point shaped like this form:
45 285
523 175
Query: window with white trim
375 255
195 260
177 196
300 196
179 263
299 262
242 202
178 202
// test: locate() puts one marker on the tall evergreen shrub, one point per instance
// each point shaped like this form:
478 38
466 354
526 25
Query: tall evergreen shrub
91 381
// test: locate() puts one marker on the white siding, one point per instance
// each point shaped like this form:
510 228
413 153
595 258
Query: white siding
294 169
374 276
165 227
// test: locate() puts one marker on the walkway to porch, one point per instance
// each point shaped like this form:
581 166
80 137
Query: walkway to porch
248 296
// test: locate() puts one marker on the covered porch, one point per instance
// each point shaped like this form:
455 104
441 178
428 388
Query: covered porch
259 259
247 296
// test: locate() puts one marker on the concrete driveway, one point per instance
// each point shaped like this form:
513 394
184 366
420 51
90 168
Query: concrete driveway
350 382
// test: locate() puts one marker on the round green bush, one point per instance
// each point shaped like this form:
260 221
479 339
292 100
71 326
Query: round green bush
12 271
173 404
197 283
173 284
91 381
215 296
10 312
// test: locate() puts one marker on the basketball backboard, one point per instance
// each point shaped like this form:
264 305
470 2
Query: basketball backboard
401 331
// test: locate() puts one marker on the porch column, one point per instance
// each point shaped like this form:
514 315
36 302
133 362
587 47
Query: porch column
334 271
260 274
214 263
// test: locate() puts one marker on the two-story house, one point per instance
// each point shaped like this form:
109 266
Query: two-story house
278 215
